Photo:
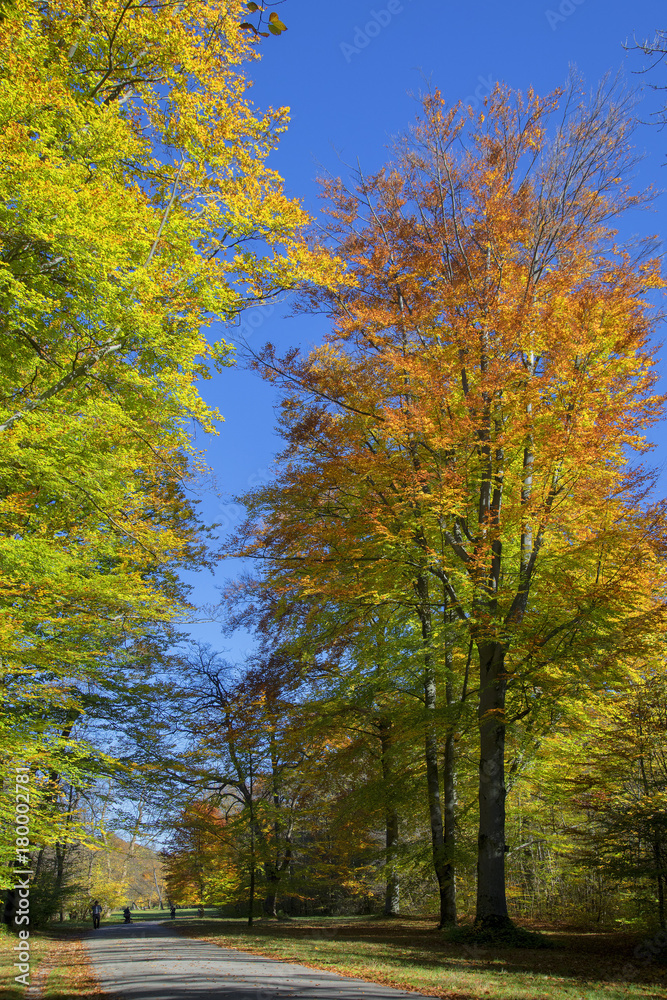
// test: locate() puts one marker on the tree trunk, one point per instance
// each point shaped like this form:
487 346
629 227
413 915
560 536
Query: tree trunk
448 903
251 900
38 863
60 851
657 853
392 893
60 879
491 901
431 754
448 913
270 905
157 887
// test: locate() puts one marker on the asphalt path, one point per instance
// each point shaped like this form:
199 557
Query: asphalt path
151 961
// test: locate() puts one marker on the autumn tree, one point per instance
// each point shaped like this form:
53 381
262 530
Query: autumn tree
81 635
148 201
357 661
616 783
136 205
461 442
244 748
655 50
374 711
203 864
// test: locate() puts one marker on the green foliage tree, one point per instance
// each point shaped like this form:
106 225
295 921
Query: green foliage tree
612 799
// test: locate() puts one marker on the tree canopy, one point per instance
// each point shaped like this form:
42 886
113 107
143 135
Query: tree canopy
136 205
460 445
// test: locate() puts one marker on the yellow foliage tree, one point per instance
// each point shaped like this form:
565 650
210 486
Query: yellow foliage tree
136 205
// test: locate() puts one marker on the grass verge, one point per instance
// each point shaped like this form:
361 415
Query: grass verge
411 954
71 978
9 988
59 966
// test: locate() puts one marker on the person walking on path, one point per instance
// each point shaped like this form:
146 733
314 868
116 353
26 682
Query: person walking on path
97 914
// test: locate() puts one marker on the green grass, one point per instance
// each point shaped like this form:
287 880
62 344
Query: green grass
39 947
410 953
71 977
58 964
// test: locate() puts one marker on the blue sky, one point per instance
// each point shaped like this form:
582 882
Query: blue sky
351 71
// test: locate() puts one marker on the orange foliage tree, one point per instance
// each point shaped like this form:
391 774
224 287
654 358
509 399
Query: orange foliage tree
460 444
201 864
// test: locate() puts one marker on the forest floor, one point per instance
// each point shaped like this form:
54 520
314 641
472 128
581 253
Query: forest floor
411 954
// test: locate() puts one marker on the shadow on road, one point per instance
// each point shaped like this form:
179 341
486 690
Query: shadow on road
149 961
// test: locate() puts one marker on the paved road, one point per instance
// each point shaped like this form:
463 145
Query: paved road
150 961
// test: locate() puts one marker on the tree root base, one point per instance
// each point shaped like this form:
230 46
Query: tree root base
496 931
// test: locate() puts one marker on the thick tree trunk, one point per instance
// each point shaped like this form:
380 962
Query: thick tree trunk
392 892
491 901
